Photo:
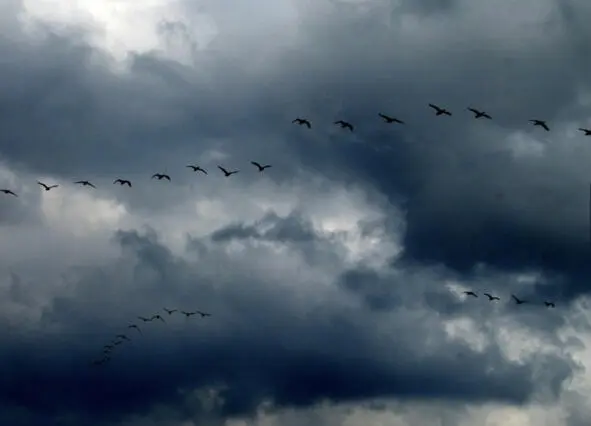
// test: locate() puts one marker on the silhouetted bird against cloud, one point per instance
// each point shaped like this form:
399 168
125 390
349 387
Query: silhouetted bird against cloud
344 125
470 293
549 304
259 166
479 114
161 176
197 169
439 110
227 173
389 119
540 123
136 327
47 187
517 301
158 317
85 183
302 122
491 297
122 182
8 192
170 311
586 131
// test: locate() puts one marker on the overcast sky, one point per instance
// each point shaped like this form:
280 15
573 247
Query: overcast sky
335 278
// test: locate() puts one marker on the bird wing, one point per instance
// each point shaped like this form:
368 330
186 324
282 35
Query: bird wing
222 169
307 123
435 107
256 164
201 170
475 111
545 126
167 177
42 184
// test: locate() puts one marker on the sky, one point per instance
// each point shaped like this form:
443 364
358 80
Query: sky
335 278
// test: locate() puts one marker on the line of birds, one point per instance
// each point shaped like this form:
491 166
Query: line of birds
439 111
158 176
517 300
121 338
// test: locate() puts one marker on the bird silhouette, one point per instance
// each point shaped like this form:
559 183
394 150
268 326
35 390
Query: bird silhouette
344 125
188 314
479 114
136 327
549 304
170 311
517 301
144 319
122 337
439 110
157 317
161 176
117 342
491 297
226 172
540 123
203 314
303 122
197 169
389 119
8 192
259 166
470 293
85 183
47 187
122 182
586 131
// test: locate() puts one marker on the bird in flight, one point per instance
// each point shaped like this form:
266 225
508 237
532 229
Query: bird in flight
123 337
203 314
540 123
517 301
586 131
259 166
161 176
491 297
170 311
47 187
344 125
117 342
197 169
479 114
227 173
188 314
389 119
470 293
122 182
549 304
136 327
439 110
157 317
85 183
8 192
302 122
144 319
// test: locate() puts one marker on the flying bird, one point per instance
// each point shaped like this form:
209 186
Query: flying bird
203 314
8 192
123 337
122 182
540 123
144 319
479 114
85 183
117 342
161 176
47 187
197 169
158 317
344 125
491 297
136 327
302 122
517 301
188 314
586 131
389 119
259 166
549 304
439 110
227 173
470 293
170 311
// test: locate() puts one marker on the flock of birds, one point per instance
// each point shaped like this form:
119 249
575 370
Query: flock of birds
517 300
119 339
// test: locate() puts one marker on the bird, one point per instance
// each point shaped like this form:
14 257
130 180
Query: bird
491 297
8 192
389 119
117 342
123 337
203 314
540 123
158 317
47 187
470 293
479 114
549 304
144 319
227 173
303 122
344 125
85 183
188 314
517 301
439 110
136 327
586 131
259 166
170 311
122 182
197 169
161 176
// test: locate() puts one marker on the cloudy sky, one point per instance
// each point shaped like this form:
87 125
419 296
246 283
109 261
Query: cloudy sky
335 279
